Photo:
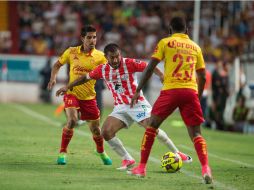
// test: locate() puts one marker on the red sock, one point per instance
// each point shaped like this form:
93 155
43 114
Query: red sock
147 144
200 146
66 138
99 143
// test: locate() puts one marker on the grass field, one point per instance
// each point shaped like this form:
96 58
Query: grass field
30 138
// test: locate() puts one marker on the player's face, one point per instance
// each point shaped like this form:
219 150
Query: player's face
114 59
89 41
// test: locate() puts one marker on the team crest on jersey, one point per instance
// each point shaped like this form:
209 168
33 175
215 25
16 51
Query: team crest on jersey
118 88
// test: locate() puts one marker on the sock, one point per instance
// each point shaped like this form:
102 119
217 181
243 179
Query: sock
66 138
116 145
163 138
99 143
200 146
147 144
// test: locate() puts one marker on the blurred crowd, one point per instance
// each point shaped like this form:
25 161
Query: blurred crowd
226 28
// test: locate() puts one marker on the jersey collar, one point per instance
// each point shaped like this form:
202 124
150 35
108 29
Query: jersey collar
90 53
181 35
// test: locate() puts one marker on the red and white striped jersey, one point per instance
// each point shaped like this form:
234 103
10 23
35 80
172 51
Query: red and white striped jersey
122 82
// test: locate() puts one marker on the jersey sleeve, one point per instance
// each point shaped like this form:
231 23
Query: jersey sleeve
137 65
64 58
200 61
96 73
158 52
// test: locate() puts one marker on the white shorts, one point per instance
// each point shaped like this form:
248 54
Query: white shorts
139 112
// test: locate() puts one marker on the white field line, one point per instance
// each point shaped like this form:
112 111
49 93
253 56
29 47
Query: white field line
220 157
77 131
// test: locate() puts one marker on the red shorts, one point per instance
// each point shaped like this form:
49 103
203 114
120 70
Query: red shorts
87 108
185 99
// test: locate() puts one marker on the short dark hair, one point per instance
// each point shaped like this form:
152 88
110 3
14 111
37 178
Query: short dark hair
86 29
178 24
111 48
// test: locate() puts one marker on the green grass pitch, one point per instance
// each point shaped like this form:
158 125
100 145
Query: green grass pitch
30 138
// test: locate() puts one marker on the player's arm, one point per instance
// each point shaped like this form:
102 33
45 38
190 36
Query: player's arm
81 80
160 74
147 73
61 61
144 78
201 73
95 74
54 72
201 79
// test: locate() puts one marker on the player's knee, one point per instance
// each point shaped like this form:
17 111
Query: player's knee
107 133
155 121
95 130
72 122
194 131
154 124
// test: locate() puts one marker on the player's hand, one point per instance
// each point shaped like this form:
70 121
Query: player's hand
62 91
51 84
134 99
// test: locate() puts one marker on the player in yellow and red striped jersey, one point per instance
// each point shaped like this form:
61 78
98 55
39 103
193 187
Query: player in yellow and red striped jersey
82 59
183 59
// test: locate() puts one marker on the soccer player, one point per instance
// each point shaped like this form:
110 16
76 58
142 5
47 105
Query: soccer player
182 58
82 59
119 74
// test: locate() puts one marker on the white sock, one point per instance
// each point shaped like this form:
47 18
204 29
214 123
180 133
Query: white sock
163 137
118 147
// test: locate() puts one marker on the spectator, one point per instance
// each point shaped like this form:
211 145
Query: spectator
220 93
122 22
240 114
45 73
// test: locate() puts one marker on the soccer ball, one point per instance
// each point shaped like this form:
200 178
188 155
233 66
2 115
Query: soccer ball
171 162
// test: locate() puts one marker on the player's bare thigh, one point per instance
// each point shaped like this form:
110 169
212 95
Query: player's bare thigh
111 126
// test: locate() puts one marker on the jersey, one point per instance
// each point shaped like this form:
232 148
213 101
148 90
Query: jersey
80 64
182 57
122 82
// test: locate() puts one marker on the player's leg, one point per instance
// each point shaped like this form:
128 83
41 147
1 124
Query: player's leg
164 106
90 112
67 133
71 110
109 129
163 138
146 145
94 126
201 149
191 113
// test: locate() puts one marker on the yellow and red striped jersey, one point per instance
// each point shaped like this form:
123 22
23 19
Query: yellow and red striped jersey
80 64
182 57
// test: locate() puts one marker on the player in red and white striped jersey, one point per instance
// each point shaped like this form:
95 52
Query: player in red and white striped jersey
119 75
